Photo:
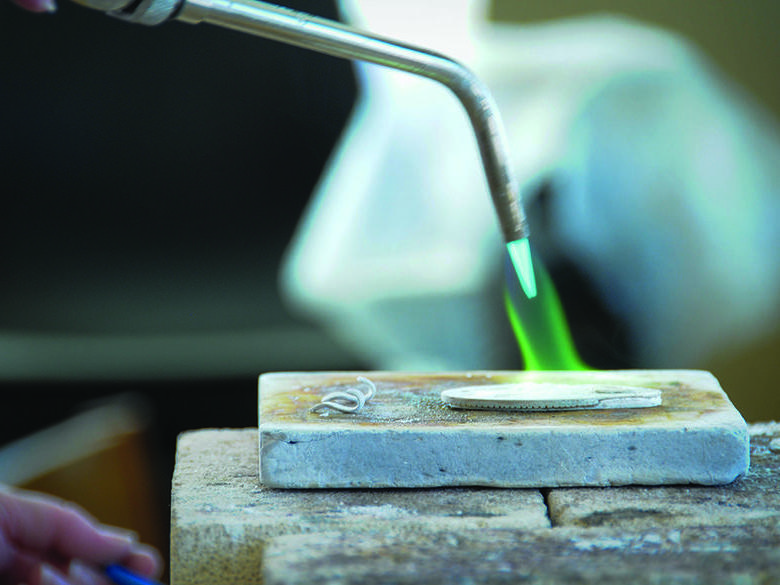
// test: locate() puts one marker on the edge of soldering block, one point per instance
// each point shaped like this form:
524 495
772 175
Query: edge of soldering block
406 437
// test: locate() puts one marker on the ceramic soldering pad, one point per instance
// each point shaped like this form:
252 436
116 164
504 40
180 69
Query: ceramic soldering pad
405 435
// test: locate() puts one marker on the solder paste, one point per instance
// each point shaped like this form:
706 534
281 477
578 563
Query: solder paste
531 396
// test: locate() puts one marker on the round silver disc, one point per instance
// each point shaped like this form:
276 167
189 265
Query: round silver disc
545 396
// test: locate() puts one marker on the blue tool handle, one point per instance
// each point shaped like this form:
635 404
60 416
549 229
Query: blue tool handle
121 576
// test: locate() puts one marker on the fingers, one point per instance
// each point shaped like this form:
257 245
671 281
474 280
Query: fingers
37 5
81 574
77 574
52 529
50 576
37 523
144 560
18 567
34 572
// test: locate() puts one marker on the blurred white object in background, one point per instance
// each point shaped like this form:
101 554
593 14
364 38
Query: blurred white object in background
400 239
665 192
671 199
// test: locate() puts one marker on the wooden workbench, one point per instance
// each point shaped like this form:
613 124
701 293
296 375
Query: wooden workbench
228 529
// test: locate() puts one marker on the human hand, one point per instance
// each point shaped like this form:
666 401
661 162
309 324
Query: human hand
45 541
37 5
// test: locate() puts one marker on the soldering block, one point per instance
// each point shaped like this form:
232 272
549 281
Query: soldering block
406 437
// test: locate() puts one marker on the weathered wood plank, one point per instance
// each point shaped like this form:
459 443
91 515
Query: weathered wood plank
753 499
222 518
227 528
561 556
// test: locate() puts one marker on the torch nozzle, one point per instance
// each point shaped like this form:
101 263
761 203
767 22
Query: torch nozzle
333 38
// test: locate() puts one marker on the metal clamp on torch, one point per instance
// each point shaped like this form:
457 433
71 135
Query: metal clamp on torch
333 38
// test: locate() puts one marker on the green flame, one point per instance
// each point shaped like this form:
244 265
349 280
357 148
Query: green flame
539 323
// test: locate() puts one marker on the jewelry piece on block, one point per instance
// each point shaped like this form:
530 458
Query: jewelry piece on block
350 400
532 396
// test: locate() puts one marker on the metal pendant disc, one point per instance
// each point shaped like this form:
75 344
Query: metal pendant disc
533 396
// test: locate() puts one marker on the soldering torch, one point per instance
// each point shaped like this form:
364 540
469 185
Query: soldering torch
336 39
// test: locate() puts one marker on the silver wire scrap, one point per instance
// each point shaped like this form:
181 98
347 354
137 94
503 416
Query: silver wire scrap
350 400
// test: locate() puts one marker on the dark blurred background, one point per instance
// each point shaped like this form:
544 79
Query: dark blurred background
152 179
